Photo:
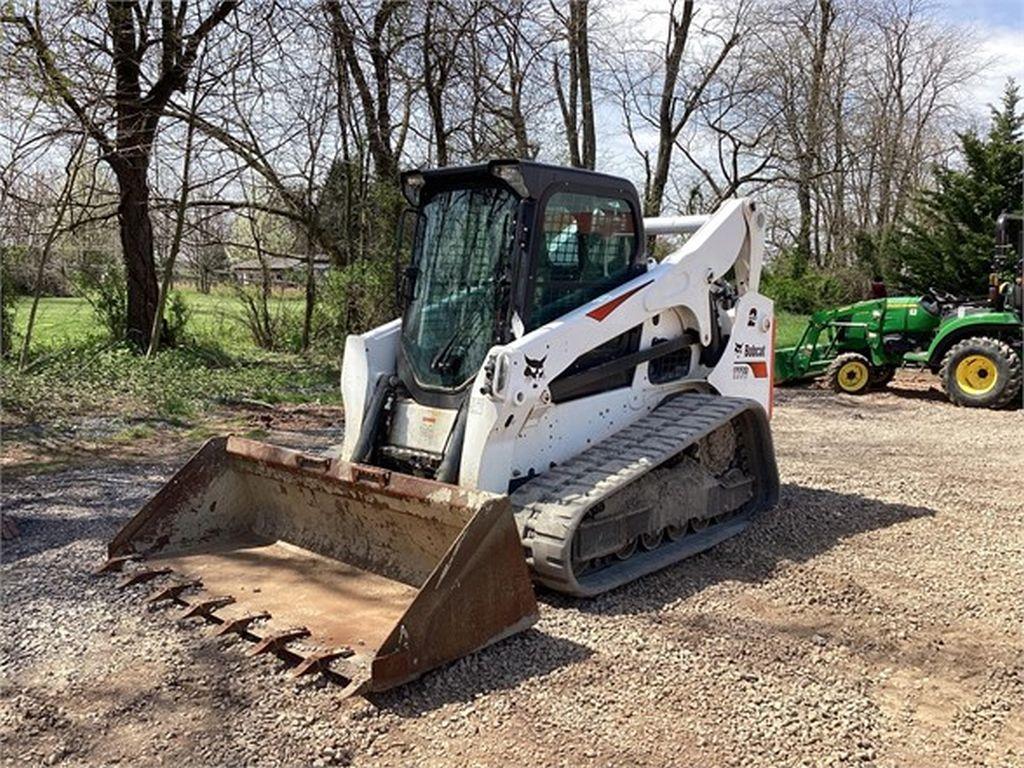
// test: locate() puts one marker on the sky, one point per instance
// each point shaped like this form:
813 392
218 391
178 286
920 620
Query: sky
997 26
1004 13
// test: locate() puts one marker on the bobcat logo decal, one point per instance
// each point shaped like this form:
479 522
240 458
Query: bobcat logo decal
534 368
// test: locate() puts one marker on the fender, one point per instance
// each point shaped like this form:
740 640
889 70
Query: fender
996 324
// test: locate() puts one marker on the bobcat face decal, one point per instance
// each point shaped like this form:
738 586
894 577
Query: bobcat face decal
534 368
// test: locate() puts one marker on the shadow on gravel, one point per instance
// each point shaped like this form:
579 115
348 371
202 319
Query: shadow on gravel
85 502
807 522
31 541
932 394
502 666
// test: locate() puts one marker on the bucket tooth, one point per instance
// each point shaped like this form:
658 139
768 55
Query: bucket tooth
173 591
318 662
240 625
147 574
116 564
206 608
276 642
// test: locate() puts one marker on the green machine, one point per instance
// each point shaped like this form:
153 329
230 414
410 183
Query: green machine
973 346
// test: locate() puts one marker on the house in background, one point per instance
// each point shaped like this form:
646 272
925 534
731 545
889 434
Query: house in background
284 270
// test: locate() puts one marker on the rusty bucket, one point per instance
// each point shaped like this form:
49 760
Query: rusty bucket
369 576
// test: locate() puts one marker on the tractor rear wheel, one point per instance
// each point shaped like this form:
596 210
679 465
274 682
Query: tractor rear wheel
981 373
849 374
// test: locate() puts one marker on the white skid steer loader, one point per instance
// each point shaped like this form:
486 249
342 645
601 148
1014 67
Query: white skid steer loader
552 405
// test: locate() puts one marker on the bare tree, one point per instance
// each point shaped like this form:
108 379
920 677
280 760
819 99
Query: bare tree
281 131
576 96
180 218
672 89
446 27
509 87
54 231
920 70
365 42
150 58
733 144
864 94
799 62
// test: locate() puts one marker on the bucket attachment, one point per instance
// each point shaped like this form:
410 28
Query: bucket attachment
363 574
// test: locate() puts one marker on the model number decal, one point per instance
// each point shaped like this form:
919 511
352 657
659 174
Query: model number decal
757 368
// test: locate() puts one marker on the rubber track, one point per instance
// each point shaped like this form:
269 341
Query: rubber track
549 509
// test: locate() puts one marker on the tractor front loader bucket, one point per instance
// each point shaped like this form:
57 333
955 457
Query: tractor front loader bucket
366 575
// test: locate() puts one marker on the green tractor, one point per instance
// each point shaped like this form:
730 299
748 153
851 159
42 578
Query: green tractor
973 346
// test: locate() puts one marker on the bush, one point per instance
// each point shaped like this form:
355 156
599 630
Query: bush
176 317
107 294
814 289
353 300
271 324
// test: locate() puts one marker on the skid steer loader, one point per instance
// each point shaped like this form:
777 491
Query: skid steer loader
553 406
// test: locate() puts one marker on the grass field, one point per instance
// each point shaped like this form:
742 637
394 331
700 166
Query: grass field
215 316
218 316
788 328
76 370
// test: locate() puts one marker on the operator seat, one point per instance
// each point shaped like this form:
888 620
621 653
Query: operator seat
931 305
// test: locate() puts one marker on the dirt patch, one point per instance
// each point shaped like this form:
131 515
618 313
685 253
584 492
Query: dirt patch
873 618
30 448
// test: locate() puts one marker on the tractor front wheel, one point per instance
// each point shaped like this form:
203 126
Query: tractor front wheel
981 373
850 374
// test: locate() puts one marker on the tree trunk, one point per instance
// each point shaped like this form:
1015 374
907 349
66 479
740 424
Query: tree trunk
307 319
803 237
656 189
179 228
667 130
437 119
589 150
519 128
136 231
433 84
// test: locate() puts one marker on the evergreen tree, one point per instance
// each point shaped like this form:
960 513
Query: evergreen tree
948 244
335 209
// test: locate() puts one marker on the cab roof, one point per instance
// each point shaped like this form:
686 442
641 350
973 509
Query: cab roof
536 177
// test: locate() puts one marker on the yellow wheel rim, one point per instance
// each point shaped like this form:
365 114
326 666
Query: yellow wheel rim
853 376
976 374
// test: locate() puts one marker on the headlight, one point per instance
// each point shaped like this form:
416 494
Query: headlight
412 183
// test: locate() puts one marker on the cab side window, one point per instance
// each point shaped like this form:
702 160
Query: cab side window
588 243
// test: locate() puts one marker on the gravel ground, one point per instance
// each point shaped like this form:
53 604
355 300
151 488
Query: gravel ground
874 618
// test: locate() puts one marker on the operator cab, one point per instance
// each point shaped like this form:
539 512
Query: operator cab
497 250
